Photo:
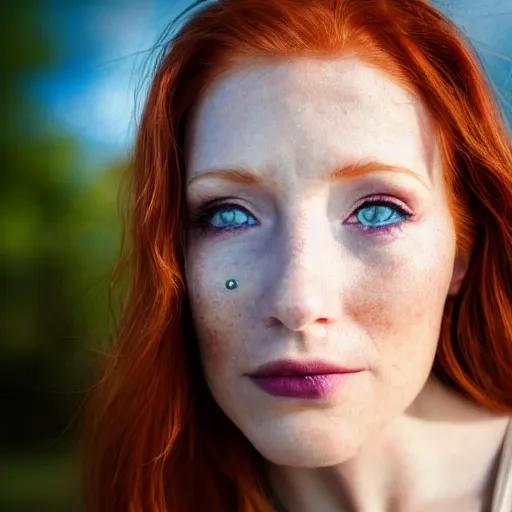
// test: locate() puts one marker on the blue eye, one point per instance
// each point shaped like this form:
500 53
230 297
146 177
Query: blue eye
375 214
229 217
223 217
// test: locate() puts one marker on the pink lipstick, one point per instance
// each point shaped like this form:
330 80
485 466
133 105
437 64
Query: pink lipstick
296 379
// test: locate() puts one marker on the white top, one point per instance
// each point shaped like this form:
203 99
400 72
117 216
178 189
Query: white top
502 497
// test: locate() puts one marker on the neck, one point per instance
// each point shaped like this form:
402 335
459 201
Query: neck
441 454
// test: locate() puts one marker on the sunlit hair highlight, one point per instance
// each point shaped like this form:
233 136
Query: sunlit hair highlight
154 440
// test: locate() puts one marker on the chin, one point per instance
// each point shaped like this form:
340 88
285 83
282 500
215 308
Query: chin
303 444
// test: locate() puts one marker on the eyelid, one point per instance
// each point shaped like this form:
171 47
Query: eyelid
221 203
374 198
218 202
381 197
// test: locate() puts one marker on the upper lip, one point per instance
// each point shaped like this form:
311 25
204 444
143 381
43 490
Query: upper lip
290 368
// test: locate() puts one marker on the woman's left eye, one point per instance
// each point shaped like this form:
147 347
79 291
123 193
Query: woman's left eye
376 215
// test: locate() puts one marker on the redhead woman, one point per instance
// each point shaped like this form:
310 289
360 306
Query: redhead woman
318 315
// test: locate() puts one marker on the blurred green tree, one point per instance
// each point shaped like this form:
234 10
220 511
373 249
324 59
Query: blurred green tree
59 240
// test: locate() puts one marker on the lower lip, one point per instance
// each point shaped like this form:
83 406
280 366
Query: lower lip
307 386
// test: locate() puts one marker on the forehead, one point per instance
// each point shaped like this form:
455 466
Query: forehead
264 113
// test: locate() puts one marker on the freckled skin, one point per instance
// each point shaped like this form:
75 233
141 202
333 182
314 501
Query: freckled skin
309 285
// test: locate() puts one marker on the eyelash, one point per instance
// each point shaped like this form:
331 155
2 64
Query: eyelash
203 217
384 201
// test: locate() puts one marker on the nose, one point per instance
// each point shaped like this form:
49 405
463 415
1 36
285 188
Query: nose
304 293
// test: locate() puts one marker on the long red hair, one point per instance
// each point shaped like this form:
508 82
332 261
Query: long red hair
154 440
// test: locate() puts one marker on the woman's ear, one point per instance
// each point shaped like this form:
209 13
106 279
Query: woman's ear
460 267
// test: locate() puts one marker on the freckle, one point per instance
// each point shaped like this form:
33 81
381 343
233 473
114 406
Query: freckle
375 313
211 345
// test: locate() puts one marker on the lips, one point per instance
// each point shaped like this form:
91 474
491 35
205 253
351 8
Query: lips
302 380
289 368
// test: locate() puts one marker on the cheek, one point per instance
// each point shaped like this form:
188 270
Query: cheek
211 323
210 347
224 320
215 313
371 311
402 303
384 315
401 315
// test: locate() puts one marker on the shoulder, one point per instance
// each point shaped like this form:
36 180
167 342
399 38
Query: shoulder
502 500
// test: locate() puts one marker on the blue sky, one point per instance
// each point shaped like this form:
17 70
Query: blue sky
91 92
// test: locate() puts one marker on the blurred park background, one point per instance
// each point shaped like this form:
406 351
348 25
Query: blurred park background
70 75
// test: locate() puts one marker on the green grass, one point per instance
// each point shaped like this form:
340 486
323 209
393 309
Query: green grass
39 483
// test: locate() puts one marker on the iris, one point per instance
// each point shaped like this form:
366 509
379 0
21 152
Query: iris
378 215
227 217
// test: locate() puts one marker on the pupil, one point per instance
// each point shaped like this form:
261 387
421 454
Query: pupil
376 214
228 217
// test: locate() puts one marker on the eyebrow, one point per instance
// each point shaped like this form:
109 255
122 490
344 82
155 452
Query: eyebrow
349 171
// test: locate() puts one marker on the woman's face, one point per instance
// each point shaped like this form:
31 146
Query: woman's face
350 268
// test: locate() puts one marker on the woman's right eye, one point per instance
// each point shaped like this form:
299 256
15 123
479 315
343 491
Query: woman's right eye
226 217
